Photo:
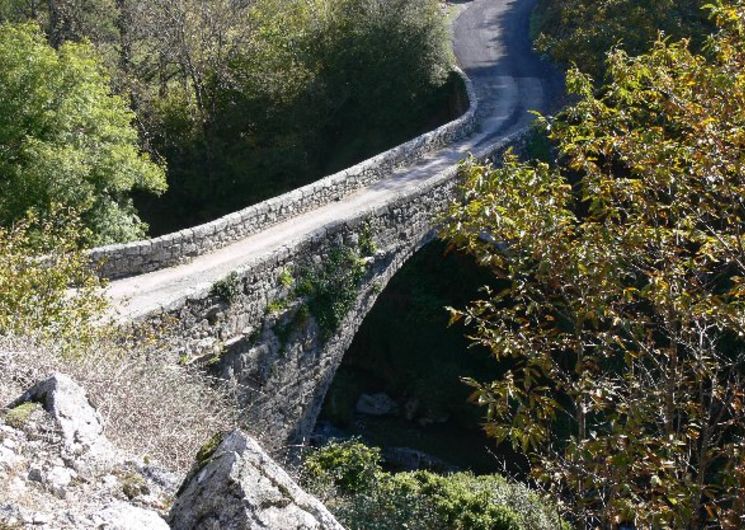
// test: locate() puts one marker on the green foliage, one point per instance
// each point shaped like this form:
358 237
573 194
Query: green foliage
245 100
39 260
285 278
624 311
276 307
228 288
364 497
330 289
538 146
18 416
65 139
208 449
301 89
367 244
582 32
351 466
65 20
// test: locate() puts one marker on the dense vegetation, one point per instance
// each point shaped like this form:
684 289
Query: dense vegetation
616 307
240 100
348 477
581 32
624 314
65 139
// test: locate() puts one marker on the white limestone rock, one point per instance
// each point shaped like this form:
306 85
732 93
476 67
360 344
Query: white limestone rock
239 487
79 423
122 516
59 472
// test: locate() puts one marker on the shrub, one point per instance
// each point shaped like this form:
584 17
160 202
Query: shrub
227 289
349 478
350 466
34 291
331 288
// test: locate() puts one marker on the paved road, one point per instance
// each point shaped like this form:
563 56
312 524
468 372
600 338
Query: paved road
493 48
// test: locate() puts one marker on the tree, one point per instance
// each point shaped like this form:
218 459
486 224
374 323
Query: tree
621 329
580 32
65 139
65 20
268 95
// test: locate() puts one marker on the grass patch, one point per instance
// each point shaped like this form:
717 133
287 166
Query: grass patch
18 416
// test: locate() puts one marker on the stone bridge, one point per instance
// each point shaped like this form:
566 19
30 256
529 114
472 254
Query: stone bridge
270 297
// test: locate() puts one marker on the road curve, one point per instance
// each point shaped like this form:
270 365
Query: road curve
493 48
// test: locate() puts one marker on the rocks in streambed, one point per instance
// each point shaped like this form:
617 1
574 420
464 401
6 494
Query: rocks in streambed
237 486
379 404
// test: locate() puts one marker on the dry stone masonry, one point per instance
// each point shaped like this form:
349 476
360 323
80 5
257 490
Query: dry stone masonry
278 325
139 257
263 329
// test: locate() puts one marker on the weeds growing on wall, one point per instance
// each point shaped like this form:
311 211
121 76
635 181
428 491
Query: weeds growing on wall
330 289
226 289
367 244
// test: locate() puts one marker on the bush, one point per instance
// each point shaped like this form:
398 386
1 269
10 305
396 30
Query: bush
65 138
227 289
347 476
149 406
34 290
331 289
350 466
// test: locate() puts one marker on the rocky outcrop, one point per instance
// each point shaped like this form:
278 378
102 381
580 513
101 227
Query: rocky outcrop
237 486
376 405
78 422
59 471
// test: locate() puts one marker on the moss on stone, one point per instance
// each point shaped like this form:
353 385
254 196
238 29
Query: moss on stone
18 416
208 449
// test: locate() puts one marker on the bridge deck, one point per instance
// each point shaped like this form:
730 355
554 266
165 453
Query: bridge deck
493 48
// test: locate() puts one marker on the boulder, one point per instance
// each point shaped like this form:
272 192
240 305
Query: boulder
239 487
79 423
376 404
122 516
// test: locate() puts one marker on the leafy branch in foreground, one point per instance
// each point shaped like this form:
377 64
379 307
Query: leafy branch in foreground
40 262
622 326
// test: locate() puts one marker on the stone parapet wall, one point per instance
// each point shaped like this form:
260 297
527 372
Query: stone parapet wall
255 340
139 257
